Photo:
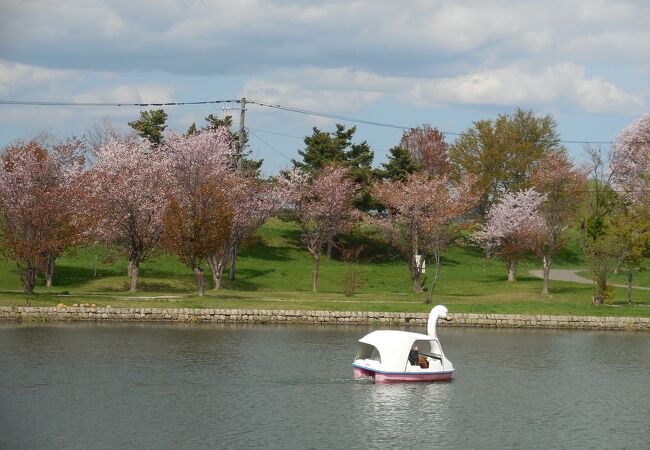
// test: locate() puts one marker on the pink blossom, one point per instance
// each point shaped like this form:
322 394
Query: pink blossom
419 215
192 158
514 226
631 161
37 202
325 209
127 201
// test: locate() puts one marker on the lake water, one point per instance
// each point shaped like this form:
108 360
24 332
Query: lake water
95 386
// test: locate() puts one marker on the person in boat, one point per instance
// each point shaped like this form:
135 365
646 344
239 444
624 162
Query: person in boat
416 359
414 356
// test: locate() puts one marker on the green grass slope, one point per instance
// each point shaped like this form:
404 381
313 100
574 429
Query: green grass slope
274 272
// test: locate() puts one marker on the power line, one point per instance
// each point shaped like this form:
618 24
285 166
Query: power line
263 104
588 142
334 116
268 145
46 103
387 125
276 133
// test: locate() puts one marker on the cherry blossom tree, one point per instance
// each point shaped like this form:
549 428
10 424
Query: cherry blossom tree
513 227
197 225
419 216
428 149
254 202
325 208
195 157
69 161
563 186
126 198
37 205
631 161
198 220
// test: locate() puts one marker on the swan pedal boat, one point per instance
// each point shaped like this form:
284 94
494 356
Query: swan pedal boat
384 354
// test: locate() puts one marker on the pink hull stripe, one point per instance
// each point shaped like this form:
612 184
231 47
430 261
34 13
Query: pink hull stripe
400 377
383 377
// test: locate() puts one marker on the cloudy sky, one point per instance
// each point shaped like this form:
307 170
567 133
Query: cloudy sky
446 63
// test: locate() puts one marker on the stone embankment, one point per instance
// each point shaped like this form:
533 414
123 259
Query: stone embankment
189 315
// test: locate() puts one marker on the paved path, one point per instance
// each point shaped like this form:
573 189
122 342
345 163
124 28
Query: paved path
571 275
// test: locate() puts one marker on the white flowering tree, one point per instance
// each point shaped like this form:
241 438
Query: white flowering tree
419 216
38 189
126 198
514 226
325 208
199 216
631 161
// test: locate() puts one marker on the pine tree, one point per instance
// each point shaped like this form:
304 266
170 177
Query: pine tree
151 125
192 129
324 148
399 166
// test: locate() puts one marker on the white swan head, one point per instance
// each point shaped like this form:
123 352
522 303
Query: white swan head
438 312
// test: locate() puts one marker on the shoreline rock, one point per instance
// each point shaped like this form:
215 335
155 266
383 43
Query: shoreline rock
209 315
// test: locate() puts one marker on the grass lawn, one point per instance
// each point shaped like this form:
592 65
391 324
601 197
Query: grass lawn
640 278
273 272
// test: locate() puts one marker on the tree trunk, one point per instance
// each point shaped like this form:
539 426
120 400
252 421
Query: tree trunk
484 205
314 273
546 261
330 244
416 269
630 274
417 281
217 264
512 270
28 279
600 287
233 260
582 231
49 270
200 280
135 271
130 269
436 257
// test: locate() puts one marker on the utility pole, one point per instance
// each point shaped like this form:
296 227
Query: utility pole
242 135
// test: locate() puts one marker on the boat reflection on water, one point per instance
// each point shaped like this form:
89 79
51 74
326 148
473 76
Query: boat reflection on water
417 412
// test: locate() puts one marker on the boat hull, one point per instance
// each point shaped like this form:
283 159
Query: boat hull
401 377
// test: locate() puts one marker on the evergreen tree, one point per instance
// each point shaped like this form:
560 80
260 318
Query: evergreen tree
151 125
192 129
215 122
399 166
323 148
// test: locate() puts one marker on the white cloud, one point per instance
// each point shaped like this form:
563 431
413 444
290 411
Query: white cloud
309 96
346 89
127 93
600 96
382 36
17 79
588 56
617 45
516 84
25 82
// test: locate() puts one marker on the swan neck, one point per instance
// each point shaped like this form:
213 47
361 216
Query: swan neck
431 324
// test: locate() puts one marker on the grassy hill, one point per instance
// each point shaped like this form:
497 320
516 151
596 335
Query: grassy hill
274 272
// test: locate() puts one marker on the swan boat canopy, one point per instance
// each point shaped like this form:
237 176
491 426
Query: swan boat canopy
396 356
